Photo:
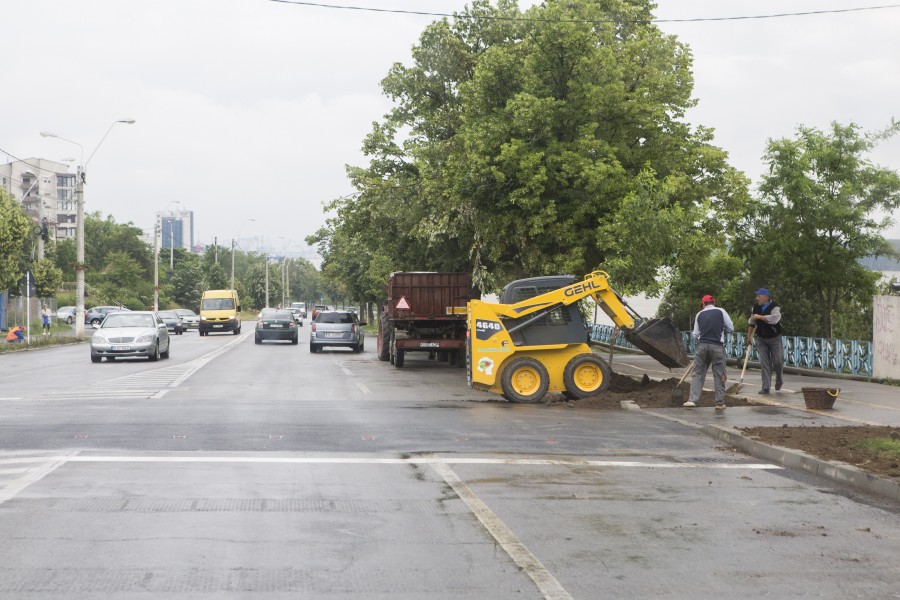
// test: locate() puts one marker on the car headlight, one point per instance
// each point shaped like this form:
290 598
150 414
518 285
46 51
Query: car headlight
99 339
147 337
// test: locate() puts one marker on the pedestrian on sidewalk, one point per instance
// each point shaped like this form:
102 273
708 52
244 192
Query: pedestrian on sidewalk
710 326
46 313
765 319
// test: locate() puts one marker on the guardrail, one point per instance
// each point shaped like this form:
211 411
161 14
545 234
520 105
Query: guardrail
849 357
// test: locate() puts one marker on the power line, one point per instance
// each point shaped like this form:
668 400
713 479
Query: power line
502 18
17 159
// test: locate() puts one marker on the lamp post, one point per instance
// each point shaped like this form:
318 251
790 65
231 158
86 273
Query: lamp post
232 249
79 226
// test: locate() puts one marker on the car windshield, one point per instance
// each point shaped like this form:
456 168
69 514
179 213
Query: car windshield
280 315
218 304
167 314
335 317
184 312
128 320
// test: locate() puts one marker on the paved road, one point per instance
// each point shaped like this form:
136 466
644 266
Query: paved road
235 471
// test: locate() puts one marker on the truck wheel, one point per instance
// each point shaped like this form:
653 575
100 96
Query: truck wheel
525 380
399 359
586 375
384 345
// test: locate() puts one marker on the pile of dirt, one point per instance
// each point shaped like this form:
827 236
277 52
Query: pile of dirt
835 444
648 394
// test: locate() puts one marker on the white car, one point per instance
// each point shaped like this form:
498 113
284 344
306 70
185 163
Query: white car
130 334
189 319
66 313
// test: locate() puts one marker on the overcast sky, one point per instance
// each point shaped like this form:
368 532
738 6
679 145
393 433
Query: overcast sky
252 108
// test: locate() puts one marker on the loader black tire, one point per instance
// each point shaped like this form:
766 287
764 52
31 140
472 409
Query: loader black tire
399 358
524 380
586 375
384 349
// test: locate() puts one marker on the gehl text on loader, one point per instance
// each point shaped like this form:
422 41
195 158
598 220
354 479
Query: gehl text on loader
536 341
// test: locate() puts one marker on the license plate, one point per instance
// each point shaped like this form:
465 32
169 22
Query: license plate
334 335
429 345
217 326
121 348
275 326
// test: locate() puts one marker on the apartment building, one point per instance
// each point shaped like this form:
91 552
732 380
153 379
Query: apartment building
46 189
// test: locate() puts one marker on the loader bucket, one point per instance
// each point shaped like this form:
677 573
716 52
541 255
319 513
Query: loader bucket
660 339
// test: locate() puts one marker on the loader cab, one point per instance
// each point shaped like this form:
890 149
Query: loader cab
564 325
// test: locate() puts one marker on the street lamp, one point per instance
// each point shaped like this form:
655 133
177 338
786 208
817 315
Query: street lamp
232 249
79 226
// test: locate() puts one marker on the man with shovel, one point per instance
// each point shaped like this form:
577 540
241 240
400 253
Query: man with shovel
710 326
765 323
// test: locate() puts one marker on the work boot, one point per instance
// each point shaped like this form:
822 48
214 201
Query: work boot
720 406
689 404
763 391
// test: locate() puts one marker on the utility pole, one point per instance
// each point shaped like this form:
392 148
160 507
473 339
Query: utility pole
156 266
267 280
216 245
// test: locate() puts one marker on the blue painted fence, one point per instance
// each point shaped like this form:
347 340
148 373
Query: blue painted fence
849 357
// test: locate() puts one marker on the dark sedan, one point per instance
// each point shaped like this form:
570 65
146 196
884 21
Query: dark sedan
276 325
172 321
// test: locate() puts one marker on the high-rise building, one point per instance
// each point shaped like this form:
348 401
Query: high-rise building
47 191
176 229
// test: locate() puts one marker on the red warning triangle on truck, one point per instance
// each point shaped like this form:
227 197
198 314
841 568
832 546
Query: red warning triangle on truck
403 304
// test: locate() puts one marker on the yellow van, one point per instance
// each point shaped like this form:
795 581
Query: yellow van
220 310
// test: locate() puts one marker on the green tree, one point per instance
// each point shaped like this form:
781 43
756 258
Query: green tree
255 286
14 231
817 216
556 144
47 276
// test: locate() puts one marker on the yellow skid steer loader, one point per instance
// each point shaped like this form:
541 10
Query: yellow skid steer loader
535 340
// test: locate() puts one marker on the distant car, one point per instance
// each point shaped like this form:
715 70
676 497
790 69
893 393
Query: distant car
189 319
66 313
301 306
317 309
130 334
336 328
276 325
172 321
96 315
298 315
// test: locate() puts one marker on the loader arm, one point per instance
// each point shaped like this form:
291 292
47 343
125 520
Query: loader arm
659 338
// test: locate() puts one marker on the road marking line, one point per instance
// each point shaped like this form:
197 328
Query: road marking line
548 585
423 460
363 388
347 372
10 398
34 475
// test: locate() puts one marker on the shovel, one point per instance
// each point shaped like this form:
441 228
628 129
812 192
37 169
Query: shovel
677 393
734 389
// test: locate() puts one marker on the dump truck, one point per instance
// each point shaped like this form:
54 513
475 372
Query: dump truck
425 312
535 340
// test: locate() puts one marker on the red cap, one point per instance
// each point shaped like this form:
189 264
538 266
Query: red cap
707 299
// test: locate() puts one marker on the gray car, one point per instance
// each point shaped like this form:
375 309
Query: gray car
172 321
336 328
130 334
189 319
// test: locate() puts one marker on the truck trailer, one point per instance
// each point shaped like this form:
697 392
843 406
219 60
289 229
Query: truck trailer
425 312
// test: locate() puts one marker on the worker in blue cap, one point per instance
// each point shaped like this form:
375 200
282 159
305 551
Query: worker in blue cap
765 325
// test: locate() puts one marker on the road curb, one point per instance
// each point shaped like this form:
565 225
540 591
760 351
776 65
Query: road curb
842 473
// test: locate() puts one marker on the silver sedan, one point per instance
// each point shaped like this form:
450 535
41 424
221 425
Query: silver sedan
130 334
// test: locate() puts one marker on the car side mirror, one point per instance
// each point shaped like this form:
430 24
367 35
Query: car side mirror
239 308
362 323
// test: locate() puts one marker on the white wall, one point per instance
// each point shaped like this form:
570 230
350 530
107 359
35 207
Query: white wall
886 337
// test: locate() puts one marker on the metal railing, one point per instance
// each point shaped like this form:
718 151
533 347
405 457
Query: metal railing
849 357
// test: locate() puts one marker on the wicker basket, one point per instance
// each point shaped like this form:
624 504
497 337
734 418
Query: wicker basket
820 398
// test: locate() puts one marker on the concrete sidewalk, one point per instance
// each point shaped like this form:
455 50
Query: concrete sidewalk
859 403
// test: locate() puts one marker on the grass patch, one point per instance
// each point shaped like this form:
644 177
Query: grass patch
40 341
885 445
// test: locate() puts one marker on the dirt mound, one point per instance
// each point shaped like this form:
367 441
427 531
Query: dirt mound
647 394
836 443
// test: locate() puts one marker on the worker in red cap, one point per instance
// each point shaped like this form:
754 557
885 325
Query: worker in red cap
710 326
